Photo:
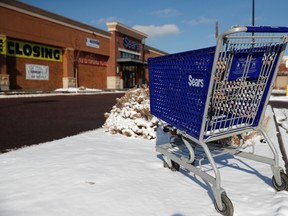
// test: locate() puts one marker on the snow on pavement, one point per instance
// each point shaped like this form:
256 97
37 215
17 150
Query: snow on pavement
97 173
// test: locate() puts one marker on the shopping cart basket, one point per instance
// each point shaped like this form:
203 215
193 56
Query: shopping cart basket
217 92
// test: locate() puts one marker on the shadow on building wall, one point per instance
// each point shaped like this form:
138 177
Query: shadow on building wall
13 72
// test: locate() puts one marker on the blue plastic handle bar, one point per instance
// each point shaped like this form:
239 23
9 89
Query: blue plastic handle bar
272 29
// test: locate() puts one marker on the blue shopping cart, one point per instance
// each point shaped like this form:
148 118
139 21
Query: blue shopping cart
214 93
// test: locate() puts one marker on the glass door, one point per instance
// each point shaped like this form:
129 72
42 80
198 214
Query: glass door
128 79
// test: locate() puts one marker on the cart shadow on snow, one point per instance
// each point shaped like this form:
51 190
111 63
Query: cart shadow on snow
222 162
204 184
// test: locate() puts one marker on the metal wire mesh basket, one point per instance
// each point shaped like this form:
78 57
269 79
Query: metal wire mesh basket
217 90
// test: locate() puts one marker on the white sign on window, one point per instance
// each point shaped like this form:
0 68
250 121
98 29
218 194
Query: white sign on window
37 72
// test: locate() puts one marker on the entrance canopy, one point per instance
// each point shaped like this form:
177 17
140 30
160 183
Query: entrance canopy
131 61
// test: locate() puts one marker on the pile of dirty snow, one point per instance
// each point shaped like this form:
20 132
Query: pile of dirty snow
131 115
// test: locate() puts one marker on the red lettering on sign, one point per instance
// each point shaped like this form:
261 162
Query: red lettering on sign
92 59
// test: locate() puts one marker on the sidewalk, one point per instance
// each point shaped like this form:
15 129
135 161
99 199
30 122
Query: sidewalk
82 91
278 92
56 92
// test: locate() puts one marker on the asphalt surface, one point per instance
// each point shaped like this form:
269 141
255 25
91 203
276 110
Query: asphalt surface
279 104
28 121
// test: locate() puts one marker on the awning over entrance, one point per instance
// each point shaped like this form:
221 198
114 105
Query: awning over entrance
132 71
131 61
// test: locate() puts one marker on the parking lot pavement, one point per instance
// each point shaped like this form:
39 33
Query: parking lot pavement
33 120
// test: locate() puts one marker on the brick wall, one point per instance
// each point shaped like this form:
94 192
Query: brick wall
16 68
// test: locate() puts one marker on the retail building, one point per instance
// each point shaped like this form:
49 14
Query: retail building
41 50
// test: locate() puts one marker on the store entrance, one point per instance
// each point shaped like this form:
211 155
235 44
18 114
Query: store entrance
129 76
129 79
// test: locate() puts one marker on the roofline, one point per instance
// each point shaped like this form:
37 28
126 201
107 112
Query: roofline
131 60
52 17
117 26
160 52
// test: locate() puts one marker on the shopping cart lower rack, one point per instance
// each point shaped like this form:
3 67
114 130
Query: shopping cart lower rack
217 92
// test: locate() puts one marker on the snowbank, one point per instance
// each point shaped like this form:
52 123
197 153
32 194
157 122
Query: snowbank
131 115
75 90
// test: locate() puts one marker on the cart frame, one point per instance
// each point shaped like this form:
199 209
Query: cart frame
219 124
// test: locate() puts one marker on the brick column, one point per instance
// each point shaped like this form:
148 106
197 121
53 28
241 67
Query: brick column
4 77
113 79
68 68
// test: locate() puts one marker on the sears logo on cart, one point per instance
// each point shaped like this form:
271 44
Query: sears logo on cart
195 82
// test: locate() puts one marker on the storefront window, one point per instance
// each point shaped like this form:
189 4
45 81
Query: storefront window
128 55
129 76
129 68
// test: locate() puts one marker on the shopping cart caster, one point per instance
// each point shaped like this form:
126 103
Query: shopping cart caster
165 165
174 166
284 182
227 205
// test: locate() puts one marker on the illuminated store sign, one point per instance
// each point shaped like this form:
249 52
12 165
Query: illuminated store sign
29 50
128 44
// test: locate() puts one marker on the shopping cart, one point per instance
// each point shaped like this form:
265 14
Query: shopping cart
214 93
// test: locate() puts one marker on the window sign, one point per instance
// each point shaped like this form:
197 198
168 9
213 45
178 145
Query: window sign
37 72
23 49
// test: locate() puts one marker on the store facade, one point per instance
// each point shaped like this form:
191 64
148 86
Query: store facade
41 50
128 59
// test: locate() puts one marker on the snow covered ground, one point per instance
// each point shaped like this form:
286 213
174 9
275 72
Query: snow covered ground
97 173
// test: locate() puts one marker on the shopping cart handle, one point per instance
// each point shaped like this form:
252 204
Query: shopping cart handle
272 29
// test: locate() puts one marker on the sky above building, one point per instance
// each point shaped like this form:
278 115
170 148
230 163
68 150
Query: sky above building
171 25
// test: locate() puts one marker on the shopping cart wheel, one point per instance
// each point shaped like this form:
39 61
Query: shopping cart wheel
165 165
227 206
175 166
284 182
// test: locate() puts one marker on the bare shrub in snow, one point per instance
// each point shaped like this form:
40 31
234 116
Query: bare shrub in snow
131 115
